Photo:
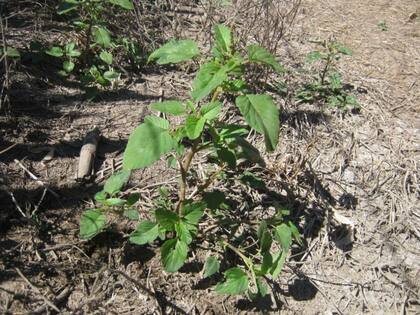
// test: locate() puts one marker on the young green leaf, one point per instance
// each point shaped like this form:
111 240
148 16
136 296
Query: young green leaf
236 282
226 155
175 51
261 287
267 263
264 236
68 66
169 107
174 253
145 232
114 202
125 4
106 57
211 110
92 223
167 219
131 214
223 44
111 75
145 146
55 52
116 182
194 126
183 232
193 212
313 56
132 199
261 114
284 236
211 266
102 36
100 196
344 50
259 54
157 121
209 77
295 232
12 52
278 262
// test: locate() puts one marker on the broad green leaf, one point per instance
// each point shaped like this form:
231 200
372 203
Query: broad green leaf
259 54
313 56
111 75
174 253
92 223
114 202
145 232
183 233
278 262
262 287
264 236
223 41
131 214
335 81
157 121
125 4
175 51
227 156
194 211
211 110
100 196
12 52
102 36
194 126
295 232
169 107
209 77
55 52
132 199
167 219
146 145
261 114
68 66
211 266
116 182
106 57
284 236
236 282
267 263
232 131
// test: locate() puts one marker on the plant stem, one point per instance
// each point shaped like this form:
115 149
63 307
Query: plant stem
184 167
245 259
326 68
186 162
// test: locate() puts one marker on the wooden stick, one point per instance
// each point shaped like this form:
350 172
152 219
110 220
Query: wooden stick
87 154
31 175
48 302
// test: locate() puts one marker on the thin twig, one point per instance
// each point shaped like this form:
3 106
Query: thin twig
50 304
31 175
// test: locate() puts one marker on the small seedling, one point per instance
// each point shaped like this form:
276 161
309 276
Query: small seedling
92 56
327 85
176 222
383 26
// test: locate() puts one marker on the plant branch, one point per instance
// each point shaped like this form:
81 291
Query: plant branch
246 260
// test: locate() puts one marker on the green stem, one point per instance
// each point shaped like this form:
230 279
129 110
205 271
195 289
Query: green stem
246 260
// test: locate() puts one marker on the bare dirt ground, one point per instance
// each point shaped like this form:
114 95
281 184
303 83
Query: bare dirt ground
351 178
